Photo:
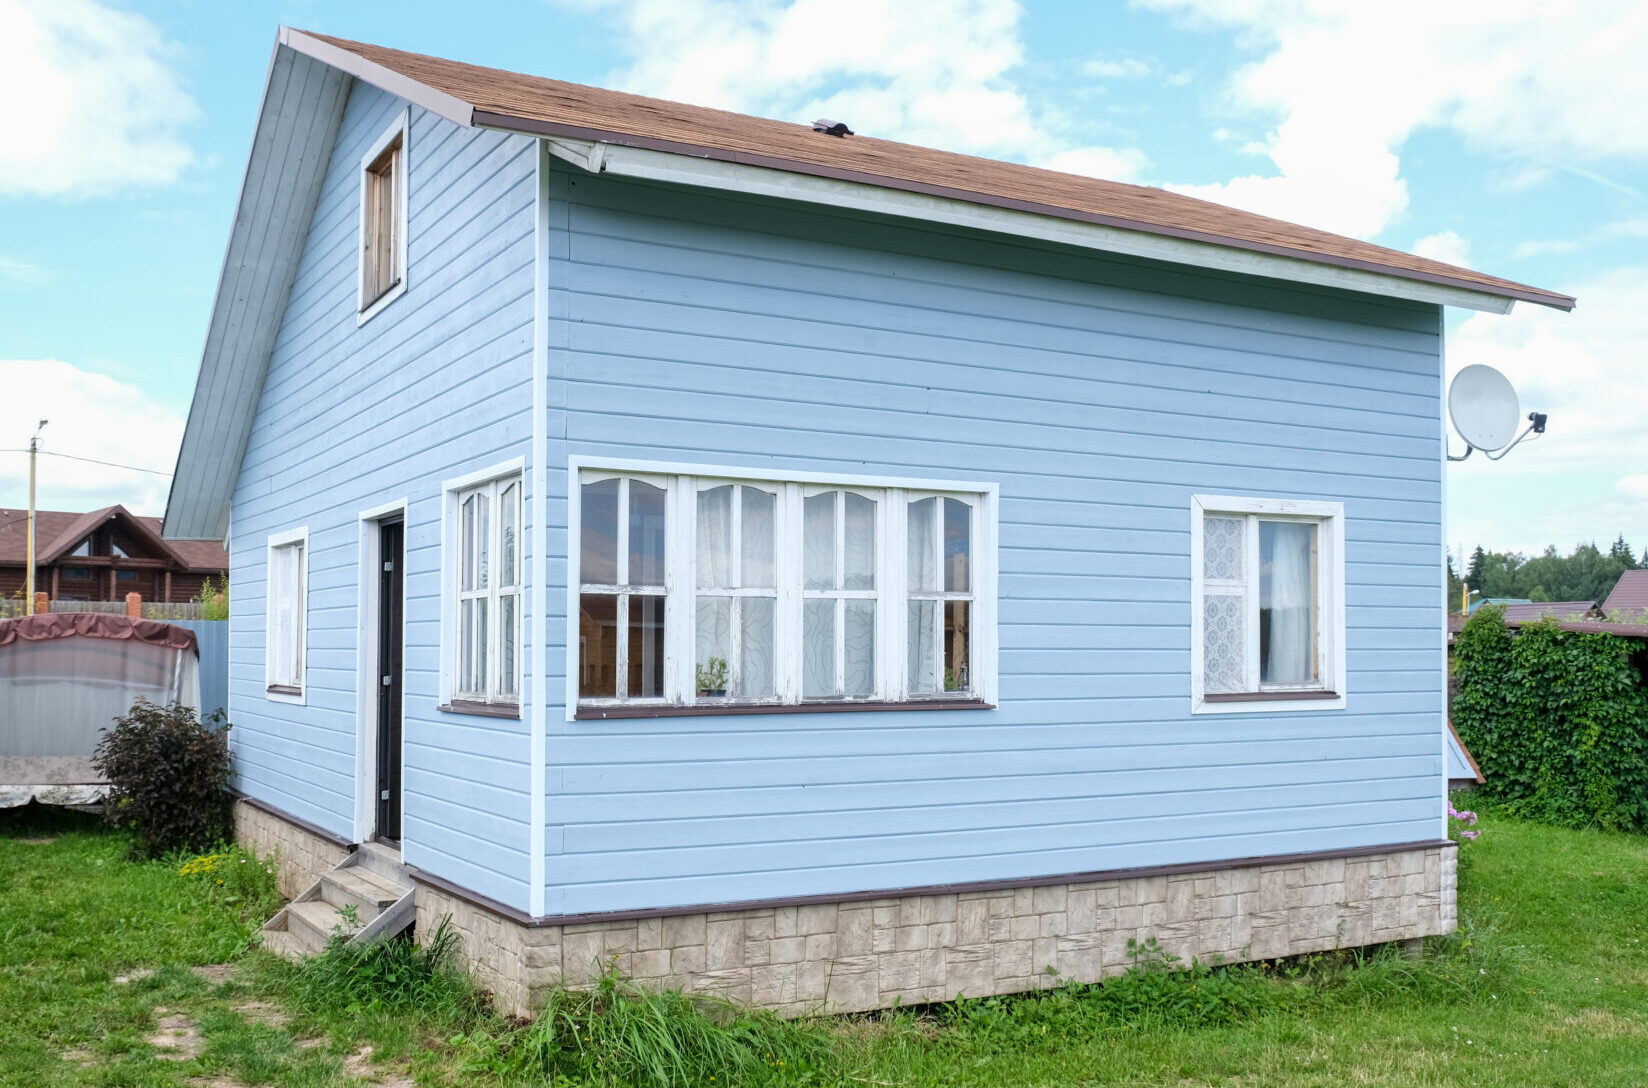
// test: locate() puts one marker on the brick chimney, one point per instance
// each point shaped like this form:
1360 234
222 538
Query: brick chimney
42 603
134 605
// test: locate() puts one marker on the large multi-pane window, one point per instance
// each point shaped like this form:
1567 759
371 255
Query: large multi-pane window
487 665
720 591
1267 614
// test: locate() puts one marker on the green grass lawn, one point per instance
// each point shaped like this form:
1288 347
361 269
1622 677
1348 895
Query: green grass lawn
1546 985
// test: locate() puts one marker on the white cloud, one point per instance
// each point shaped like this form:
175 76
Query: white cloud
932 72
1583 479
1446 246
88 104
92 415
1125 68
15 272
1625 229
1349 83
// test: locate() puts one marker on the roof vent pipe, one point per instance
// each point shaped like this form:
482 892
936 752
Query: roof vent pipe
831 128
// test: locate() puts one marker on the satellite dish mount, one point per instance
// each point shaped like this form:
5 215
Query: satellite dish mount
1484 409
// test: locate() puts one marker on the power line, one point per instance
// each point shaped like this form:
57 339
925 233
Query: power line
93 460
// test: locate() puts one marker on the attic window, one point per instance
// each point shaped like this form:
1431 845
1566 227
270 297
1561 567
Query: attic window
383 220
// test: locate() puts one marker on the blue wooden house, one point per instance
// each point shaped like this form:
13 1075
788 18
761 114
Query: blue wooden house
810 568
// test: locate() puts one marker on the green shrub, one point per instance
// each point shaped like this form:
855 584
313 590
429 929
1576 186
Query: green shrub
214 599
1557 720
620 1033
235 878
168 775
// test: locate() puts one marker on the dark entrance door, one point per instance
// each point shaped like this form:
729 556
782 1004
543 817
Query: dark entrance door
391 605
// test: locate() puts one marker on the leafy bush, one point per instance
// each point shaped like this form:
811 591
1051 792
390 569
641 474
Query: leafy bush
620 1033
214 599
1557 720
235 877
168 776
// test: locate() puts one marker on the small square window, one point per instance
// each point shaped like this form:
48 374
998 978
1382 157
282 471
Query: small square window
1267 608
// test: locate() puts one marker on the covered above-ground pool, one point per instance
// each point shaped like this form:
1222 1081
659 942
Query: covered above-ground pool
65 677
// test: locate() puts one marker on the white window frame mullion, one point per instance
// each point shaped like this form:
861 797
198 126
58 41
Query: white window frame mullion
1250 601
789 538
680 589
893 609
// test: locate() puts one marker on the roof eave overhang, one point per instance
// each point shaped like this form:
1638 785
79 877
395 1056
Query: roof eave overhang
663 160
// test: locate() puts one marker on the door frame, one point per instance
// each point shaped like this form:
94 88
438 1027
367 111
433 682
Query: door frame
367 676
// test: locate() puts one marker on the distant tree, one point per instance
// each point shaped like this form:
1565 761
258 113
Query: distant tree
1621 552
1455 587
1473 573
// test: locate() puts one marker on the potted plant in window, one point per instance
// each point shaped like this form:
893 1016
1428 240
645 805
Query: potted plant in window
712 678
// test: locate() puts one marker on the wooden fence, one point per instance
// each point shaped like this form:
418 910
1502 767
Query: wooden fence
152 610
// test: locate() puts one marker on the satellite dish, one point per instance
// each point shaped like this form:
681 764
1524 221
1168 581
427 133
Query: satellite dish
1484 408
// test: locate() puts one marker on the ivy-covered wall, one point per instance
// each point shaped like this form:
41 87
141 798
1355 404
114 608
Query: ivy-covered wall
1557 720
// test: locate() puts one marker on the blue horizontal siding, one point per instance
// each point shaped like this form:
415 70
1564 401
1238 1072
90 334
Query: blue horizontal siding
1099 394
351 417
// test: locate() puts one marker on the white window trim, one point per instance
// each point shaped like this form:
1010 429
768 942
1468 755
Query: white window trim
450 551
400 127
891 593
300 536
1330 575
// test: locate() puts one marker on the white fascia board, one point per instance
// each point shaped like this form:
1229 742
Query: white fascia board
636 162
439 103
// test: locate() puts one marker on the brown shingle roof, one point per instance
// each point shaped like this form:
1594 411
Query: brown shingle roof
60 530
1562 610
1629 597
554 108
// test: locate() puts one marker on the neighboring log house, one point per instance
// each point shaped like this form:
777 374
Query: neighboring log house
104 555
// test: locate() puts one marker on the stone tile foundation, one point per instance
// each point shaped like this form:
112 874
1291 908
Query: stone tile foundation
856 956
869 954
300 854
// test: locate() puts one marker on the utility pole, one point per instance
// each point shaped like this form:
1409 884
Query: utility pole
28 578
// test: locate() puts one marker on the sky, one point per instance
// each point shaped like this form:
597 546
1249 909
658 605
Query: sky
1509 136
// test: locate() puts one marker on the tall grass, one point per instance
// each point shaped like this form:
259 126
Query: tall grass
620 1033
394 976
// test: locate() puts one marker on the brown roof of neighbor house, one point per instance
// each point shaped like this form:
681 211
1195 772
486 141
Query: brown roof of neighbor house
1562 610
553 108
56 532
1629 596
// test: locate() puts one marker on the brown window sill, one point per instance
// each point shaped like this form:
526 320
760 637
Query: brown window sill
596 713
283 689
481 710
1268 696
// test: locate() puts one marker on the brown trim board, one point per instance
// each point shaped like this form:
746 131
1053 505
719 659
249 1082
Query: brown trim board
698 710
1181 869
297 821
1267 696
490 119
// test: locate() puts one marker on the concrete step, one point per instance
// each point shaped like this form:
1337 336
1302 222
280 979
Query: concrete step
383 860
285 944
313 922
356 885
